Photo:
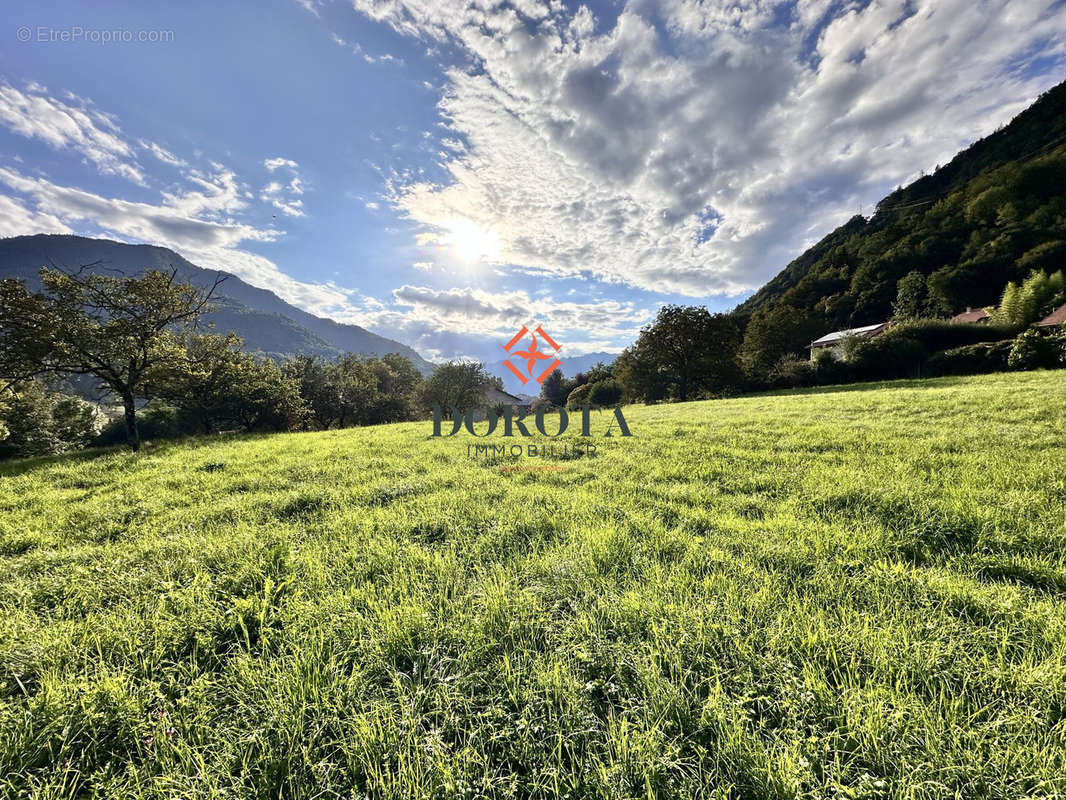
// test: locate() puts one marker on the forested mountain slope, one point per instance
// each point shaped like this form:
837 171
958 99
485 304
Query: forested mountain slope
994 213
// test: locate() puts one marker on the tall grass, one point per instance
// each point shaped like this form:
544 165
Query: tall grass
840 593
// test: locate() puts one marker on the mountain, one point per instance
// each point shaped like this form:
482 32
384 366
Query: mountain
993 214
262 319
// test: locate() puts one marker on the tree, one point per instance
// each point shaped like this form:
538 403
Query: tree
556 388
773 334
911 297
605 393
315 381
28 420
1023 305
40 422
354 390
119 330
685 351
397 384
219 385
457 384
267 400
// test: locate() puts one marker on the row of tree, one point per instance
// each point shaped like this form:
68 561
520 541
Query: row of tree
137 341
687 352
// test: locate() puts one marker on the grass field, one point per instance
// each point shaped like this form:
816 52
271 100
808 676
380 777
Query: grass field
843 593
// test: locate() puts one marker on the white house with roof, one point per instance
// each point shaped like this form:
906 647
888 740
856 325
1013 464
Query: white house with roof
496 399
834 342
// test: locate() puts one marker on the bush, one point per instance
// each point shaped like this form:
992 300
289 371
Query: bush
791 372
605 393
904 350
39 422
888 357
972 359
579 396
1034 349
940 334
540 404
829 369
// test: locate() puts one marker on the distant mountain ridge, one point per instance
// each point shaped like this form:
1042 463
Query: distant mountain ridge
262 319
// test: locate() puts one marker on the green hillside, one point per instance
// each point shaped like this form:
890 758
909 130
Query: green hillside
993 214
852 592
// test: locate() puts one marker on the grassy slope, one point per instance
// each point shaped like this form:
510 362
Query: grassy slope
853 593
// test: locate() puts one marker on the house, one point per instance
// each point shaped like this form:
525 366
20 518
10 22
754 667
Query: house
834 342
972 315
1055 318
496 399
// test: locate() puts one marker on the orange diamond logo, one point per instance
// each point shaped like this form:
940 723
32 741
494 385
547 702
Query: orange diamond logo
530 359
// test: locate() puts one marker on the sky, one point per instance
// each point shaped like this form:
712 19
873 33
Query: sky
444 172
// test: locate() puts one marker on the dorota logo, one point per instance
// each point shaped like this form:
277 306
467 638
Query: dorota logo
515 420
516 424
531 358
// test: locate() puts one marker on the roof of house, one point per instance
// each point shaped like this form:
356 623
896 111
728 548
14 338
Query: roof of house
1056 317
494 395
836 336
971 315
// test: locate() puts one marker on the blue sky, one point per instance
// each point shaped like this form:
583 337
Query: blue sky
444 172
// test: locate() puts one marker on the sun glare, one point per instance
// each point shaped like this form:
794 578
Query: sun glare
470 243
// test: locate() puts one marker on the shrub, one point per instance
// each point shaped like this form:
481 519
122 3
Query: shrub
1034 349
885 357
540 403
902 351
971 359
605 393
939 334
791 372
829 369
579 396
39 422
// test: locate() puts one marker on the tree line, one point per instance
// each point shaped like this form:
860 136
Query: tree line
138 341
689 353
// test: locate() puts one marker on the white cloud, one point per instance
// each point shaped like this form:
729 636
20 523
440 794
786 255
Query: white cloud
284 197
455 321
16 220
193 224
36 115
699 146
357 49
277 163
200 216
163 154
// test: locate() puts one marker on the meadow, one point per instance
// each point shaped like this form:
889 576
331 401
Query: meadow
854 592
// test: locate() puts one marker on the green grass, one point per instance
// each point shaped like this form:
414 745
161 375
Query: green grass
848 593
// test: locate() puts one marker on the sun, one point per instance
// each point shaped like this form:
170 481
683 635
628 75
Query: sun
470 243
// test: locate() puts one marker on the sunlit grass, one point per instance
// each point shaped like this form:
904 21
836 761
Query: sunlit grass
842 593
